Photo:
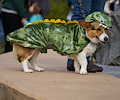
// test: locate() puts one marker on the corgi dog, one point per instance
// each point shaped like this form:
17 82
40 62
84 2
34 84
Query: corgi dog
95 32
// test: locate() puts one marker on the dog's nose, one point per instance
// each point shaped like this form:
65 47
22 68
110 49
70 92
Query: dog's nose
105 38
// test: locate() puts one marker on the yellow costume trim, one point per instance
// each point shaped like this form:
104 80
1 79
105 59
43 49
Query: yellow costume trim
40 21
46 21
72 22
28 24
54 21
35 22
75 21
69 22
63 21
58 21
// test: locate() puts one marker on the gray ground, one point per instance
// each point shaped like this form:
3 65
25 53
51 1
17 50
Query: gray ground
112 70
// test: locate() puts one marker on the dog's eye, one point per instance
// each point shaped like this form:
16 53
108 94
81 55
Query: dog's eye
99 29
106 29
92 28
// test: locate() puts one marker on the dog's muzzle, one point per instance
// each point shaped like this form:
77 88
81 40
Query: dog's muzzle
106 39
103 38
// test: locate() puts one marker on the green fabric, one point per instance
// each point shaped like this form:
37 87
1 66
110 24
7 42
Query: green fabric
99 17
67 39
16 5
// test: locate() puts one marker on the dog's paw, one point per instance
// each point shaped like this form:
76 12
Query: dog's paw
28 71
77 70
39 69
83 71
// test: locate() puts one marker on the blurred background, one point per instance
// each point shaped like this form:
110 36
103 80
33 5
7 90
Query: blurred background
63 9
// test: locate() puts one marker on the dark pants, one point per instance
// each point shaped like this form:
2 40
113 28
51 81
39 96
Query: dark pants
11 22
89 7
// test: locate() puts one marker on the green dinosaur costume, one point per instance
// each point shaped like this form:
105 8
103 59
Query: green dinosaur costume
67 39
99 17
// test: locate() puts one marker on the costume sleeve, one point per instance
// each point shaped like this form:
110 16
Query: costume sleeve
20 7
35 18
25 23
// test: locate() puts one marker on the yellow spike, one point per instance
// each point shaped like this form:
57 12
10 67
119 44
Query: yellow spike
63 21
52 21
34 22
28 24
46 20
75 21
40 21
58 21
69 22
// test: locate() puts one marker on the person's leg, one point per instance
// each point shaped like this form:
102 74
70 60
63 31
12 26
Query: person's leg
70 65
78 15
1 31
11 22
94 5
98 5
77 11
2 39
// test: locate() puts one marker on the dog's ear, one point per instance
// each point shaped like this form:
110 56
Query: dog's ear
85 25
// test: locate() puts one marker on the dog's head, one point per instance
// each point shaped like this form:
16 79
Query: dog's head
95 32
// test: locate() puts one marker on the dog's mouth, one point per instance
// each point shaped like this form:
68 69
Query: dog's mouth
102 42
97 37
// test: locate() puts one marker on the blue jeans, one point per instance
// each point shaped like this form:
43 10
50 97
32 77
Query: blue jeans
2 38
70 61
89 6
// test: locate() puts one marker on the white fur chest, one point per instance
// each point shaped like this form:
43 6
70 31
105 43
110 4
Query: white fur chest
90 49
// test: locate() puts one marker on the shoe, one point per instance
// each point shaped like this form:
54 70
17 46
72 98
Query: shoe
93 68
70 67
99 69
90 68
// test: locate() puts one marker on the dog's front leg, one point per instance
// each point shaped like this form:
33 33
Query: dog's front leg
81 57
77 66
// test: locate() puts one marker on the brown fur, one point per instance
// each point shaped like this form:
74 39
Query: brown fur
91 29
95 33
22 52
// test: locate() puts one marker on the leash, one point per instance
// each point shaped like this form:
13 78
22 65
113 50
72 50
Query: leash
82 8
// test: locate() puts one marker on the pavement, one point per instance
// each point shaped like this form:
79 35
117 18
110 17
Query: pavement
112 70
55 83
